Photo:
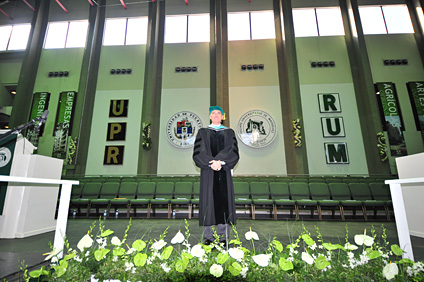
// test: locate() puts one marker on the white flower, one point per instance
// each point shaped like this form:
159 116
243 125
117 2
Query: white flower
236 253
390 271
165 267
52 254
364 239
313 247
130 251
129 266
178 238
243 272
85 242
216 270
251 235
158 245
102 242
115 259
197 251
261 260
350 247
115 241
307 258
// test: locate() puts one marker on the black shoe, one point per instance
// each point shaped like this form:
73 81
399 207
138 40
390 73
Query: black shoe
225 242
207 242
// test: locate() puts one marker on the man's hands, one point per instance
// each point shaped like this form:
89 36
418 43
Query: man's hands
215 165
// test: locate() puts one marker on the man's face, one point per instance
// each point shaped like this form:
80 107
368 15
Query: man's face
216 116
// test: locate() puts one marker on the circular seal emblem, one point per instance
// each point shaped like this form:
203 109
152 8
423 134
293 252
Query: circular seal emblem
181 129
5 156
256 129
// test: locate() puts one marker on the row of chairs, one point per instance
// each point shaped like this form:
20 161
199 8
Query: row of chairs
273 196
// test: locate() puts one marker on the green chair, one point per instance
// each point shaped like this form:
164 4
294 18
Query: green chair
195 197
361 192
145 193
127 192
90 191
316 180
299 192
182 196
381 192
163 196
242 195
259 192
109 191
321 193
280 194
75 194
340 192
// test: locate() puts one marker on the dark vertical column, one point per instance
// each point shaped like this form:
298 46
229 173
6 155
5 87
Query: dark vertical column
291 106
413 5
363 84
219 56
87 86
152 92
22 104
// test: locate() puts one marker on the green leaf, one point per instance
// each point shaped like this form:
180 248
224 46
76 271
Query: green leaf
321 263
140 259
207 248
118 252
60 271
139 245
235 268
406 261
332 247
235 242
397 250
69 256
221 258
180 266
277 245
308 240
373 254
38 273
166 252
186 256
285 265
99 254
106 233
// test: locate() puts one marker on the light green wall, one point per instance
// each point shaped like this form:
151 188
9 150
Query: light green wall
314 139
9 71
398 46
99 131
56 60
324 48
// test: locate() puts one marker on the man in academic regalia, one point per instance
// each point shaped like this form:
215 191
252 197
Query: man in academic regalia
216 154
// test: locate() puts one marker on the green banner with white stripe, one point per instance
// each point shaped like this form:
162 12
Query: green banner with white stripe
416 95
40 103
392 118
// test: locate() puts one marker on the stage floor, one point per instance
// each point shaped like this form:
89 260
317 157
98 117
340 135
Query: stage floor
31 249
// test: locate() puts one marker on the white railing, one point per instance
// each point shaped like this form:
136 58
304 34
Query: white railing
400 213
65 197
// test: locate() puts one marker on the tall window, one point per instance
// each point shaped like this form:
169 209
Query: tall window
187 28
125 31
385 19
14 37
66 35
318 22
251 26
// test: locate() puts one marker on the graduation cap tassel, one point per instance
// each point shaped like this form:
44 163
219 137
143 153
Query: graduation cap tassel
91 3
123 4
186 1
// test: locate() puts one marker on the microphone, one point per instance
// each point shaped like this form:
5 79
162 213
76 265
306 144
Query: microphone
41 120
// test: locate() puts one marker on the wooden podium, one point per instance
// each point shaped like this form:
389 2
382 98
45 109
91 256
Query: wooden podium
29 209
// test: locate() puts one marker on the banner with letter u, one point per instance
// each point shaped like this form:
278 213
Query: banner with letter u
391 117
63 124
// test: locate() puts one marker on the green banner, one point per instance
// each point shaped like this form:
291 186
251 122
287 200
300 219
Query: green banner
63 126
7 149
40 103
391 117
416 95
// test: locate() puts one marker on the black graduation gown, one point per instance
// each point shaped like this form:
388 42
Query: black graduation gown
216 199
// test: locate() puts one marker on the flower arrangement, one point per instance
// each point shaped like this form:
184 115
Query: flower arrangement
105 257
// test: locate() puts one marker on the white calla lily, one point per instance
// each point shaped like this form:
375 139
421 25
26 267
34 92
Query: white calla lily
85 242
261 260
390 271
158 245
350 247
251 235
307 258
52 254
364 239
197 251
115 241
216 270
178 238
236 253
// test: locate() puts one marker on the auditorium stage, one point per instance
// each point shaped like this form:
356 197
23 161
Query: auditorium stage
31 249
